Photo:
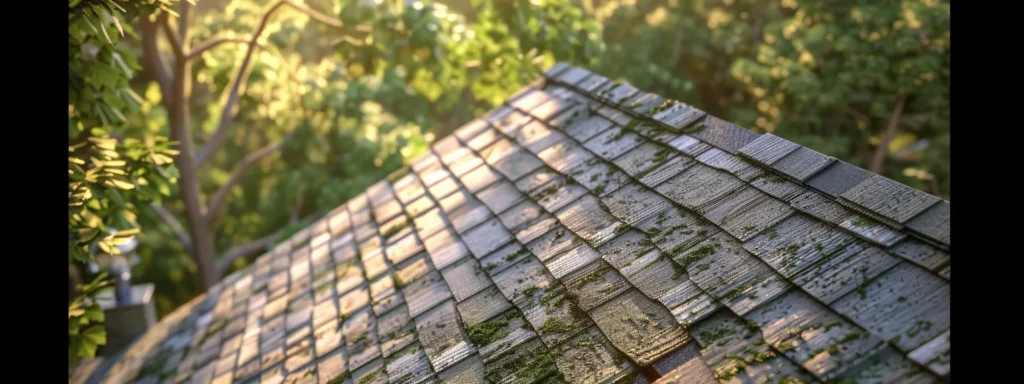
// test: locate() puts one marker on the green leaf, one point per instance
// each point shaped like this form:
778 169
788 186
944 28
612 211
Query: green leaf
128 233
94 312
95 334
119 184
114 196
117 23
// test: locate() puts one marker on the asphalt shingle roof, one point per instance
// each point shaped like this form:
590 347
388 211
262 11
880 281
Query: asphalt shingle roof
591 232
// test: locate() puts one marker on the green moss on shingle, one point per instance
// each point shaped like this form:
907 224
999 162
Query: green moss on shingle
861 221
516 254
369 378
555 325
487 332
594 276
699 254
341 379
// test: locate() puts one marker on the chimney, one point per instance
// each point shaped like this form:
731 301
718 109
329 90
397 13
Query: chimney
129 309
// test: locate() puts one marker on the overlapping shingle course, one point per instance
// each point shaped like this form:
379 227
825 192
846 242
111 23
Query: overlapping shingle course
587 231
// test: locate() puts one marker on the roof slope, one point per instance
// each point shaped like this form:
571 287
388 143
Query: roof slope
590 232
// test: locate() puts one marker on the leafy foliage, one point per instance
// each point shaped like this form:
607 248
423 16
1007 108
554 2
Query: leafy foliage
109 173
85 318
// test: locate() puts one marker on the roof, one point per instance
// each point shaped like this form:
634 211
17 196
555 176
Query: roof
591 232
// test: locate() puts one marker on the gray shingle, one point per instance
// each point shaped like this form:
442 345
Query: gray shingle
529 362
698 186
556 69
639 327
590 358
888 366
888 198
678 115
871 231
556 194
483 306
510 123
551 109
471 129
725 340
798 243
933 222
486 237
470 370
922 254
838 178
934 354
613 142
721 267
615 92
595 284
644 103
837 276
500 196
517 164
583 129
807 332
724 135
466 278
588 220
592 82
768 149
802 163
635 203
689 145
443 339
719 159
906 305
529 100
572 75
747 212
536 137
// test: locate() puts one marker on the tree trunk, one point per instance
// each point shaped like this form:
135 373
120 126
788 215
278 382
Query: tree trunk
202 242
890 131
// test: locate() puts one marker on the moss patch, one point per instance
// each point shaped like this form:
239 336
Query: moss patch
555 325
487 332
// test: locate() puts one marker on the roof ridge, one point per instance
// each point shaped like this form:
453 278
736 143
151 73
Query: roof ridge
920 214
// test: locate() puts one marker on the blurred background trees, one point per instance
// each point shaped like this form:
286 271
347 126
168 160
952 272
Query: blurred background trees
336 94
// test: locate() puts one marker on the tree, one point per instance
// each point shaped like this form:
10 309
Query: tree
400 64
113 167
176 89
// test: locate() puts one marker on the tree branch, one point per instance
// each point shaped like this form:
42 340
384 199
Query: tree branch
244 250
220 197
212 43
226 115
175 226
184 19
294 217
173 38
151 54
883 146
858 114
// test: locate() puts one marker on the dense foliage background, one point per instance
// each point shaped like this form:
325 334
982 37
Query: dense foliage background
340 103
